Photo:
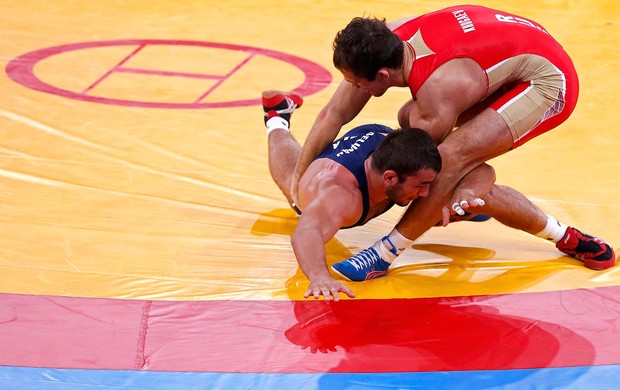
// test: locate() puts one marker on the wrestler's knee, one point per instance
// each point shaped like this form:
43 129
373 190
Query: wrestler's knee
453 156
458 155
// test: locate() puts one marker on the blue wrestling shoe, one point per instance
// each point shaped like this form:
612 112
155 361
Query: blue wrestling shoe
471 217
365 265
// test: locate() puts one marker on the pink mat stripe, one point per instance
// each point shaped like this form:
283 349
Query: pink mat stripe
533 330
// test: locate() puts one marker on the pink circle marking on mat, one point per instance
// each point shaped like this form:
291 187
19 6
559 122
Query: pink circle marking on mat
21 70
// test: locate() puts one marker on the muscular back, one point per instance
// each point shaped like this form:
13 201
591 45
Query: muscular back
340 169
328 183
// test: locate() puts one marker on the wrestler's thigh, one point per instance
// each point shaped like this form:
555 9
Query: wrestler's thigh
479 139
477 108
527 106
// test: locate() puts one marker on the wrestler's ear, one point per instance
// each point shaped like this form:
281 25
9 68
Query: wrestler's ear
383 74
390 177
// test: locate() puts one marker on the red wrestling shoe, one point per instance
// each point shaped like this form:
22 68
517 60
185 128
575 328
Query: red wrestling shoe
280 103
594 252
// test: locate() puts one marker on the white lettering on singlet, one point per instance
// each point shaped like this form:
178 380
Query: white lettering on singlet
356 145
518 20
464 21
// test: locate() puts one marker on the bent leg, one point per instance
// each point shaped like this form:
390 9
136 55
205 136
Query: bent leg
516 114
513 209
480 139
284 151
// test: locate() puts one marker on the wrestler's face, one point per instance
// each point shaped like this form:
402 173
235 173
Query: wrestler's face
376 88
414 186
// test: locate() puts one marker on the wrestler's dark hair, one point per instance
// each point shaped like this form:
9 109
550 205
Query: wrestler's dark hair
406 151
366 45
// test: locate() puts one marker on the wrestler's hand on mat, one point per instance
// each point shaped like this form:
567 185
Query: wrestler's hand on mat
328 288
460 201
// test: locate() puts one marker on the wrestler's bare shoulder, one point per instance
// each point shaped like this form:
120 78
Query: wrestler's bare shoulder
325 170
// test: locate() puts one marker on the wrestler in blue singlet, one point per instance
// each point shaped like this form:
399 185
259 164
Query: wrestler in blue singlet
351 151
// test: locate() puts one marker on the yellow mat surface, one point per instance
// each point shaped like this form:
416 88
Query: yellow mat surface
133 155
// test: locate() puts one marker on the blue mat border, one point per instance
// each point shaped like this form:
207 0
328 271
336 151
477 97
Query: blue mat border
592 377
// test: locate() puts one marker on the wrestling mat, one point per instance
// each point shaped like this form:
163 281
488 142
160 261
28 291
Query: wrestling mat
144 244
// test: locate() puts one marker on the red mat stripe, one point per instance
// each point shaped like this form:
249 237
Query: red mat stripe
534 330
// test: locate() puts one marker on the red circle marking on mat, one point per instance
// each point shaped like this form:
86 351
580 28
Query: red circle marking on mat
21 69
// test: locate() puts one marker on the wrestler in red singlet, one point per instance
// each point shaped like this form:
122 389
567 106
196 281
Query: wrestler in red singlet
517 55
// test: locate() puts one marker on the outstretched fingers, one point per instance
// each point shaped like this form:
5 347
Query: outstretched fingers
328 289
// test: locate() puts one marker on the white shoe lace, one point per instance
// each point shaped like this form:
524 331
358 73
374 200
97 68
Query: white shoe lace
364 259
291 106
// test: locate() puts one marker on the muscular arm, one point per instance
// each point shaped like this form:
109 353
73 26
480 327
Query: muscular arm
476 184
319 222
453 87
308 240
344 105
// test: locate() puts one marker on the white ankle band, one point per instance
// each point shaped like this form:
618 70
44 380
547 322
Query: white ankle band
389 247
554 231
399 241
276 122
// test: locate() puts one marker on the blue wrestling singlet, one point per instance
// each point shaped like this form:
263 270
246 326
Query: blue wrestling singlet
350 151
